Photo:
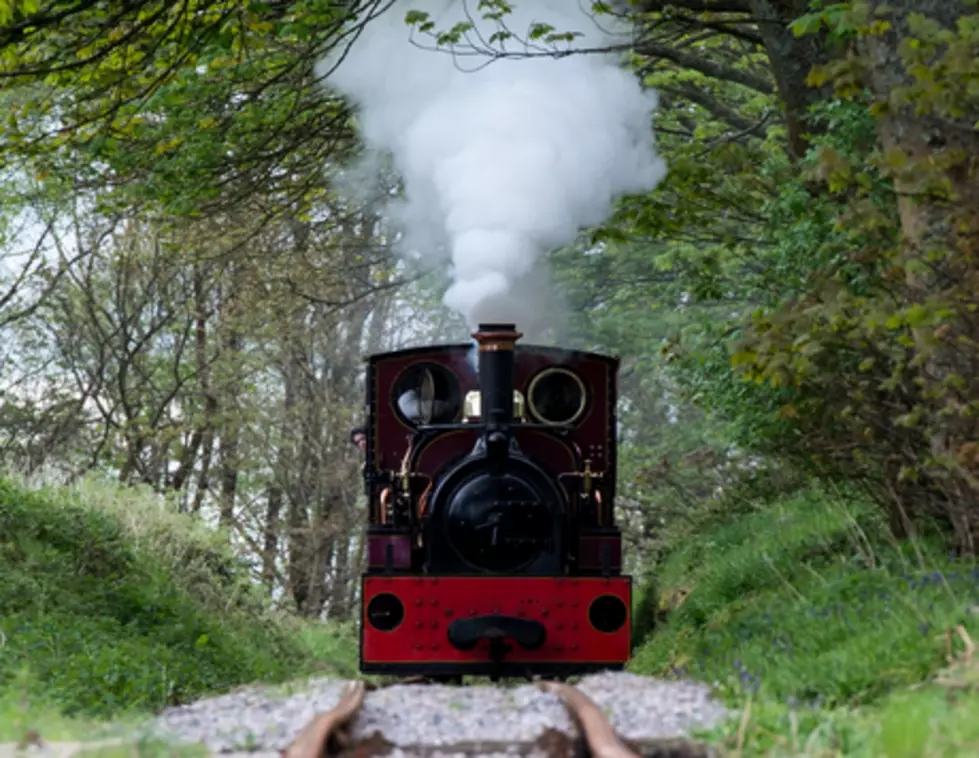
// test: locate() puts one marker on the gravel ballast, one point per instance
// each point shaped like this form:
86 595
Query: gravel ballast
441 720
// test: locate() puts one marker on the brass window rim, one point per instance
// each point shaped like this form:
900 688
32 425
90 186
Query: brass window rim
550 370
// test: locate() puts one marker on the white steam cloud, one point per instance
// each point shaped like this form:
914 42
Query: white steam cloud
503 163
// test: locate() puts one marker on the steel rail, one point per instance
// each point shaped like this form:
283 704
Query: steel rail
329 733
593 725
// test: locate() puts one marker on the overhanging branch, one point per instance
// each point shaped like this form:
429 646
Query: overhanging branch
696 6
716 108
705 66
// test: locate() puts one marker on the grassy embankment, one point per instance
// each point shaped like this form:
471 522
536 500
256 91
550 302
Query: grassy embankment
112 607
823 634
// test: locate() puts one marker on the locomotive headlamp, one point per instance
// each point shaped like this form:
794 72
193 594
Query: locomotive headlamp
473 407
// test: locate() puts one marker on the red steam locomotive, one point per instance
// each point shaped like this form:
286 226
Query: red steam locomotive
492 548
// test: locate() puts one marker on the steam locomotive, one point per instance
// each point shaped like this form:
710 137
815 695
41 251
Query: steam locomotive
492 548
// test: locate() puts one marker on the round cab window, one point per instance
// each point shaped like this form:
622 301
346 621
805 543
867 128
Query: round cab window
427 393
557 396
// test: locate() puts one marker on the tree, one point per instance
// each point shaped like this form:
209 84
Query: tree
819 273
185 108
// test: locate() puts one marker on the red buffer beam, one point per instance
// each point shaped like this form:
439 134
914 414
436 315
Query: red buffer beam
406 619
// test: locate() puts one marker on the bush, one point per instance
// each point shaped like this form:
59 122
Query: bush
111 602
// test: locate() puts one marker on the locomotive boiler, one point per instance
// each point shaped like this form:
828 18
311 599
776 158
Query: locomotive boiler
492 548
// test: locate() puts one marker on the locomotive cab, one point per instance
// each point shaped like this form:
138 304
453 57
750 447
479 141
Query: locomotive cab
492 547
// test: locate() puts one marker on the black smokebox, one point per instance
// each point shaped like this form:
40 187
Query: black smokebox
496 344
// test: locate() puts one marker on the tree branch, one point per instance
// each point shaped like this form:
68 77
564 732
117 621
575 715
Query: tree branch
705 66
696 6
716 108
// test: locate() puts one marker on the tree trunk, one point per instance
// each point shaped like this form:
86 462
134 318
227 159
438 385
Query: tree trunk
270 546
323 548
230 440
203 477
937 156
189 458
357 552
229 476
340 583
300 557
134 448
230 354
301 491
791 60
280 476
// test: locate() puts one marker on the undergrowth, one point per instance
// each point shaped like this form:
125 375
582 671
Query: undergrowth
823 633
112 603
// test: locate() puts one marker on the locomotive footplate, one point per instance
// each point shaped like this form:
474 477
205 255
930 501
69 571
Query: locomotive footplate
494 625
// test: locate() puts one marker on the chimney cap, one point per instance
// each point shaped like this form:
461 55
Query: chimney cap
496 336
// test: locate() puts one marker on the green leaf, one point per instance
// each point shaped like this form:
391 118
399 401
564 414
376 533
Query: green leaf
810 23
538 30
414 17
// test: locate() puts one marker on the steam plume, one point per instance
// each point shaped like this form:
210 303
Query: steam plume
504 162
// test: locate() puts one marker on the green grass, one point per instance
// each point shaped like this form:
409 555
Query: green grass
117 738
807 610
112 606
824 636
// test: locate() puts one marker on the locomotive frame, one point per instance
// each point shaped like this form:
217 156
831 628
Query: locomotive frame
492 547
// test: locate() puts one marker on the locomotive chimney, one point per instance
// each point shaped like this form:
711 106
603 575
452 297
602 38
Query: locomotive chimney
496 343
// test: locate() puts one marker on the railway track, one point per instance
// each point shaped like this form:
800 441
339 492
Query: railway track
330 734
